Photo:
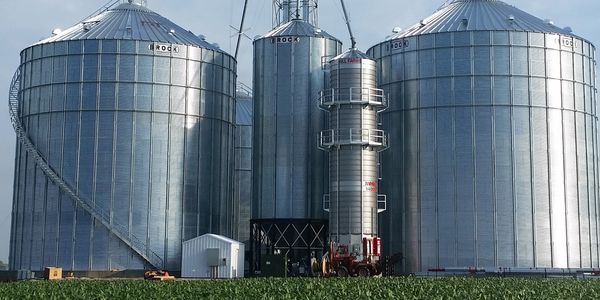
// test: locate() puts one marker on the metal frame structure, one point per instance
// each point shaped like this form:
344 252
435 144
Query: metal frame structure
287 10
296 238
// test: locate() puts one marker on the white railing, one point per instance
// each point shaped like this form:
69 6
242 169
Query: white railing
353 136
353 95
381 203
122 232
326 202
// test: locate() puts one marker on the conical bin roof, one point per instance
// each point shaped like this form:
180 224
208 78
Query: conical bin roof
130 21
485 15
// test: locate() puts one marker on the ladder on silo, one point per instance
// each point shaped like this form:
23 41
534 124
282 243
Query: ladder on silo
120 231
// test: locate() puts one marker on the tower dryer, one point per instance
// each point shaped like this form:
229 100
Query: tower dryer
353 141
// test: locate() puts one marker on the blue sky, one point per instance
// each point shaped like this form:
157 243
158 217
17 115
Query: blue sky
27 21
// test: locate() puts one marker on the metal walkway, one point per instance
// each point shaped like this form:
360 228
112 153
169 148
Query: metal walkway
120 231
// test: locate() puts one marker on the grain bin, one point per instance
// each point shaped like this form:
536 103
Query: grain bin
125 123
493 141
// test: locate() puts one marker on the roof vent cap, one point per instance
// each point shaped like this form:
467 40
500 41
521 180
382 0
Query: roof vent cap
568 29
423 22
465 21
172 31
511 18
397 30
549 22
56 31
138 2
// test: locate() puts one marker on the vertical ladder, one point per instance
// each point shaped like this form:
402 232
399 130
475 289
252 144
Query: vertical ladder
120 231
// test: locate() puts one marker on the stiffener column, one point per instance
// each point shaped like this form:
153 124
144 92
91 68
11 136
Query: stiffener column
354 142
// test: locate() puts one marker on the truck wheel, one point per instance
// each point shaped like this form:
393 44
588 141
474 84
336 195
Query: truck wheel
364 272
342 272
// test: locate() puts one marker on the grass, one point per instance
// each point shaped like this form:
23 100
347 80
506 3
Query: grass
308 288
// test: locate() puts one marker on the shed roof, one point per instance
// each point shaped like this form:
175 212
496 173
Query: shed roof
214 236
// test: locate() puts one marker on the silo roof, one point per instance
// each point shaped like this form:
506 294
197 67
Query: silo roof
130 21
471 15
352 53
298 27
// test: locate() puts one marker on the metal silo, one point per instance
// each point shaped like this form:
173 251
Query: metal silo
288 174
125 123
493 141
243 163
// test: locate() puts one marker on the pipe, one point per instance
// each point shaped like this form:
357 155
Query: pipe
306 11
240 31
298 9
352 40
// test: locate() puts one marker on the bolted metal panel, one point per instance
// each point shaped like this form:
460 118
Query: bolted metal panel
493 148
288 177
142 133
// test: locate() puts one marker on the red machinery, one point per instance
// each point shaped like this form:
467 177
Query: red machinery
342 262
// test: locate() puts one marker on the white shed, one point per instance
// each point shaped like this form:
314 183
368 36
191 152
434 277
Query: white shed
212 256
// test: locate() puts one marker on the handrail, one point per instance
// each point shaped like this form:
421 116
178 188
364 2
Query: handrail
353 136
102 9
326 202
353 95
120 231
381 203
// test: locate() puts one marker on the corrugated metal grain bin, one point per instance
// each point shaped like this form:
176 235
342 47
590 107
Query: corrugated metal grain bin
493 158
287 175
135 116
212 256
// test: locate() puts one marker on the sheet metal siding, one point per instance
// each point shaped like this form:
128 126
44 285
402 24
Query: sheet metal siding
194 258
493 153
288 177
147 136
353 208
243 168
